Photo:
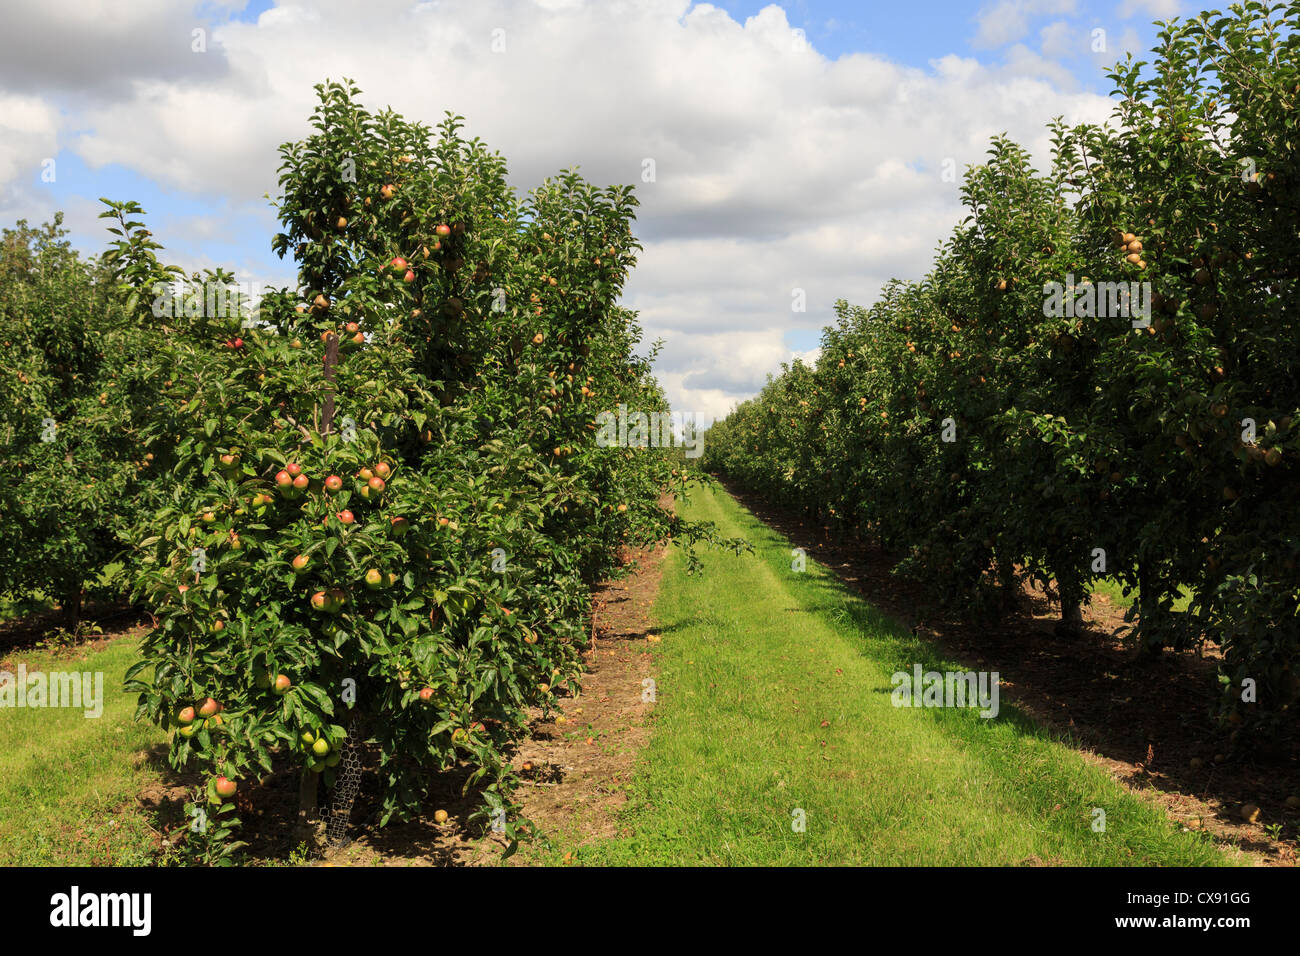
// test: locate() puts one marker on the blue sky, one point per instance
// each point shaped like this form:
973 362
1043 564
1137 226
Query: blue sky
916 33
813 169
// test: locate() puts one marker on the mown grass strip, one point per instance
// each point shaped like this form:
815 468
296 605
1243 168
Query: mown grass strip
775 706
67 781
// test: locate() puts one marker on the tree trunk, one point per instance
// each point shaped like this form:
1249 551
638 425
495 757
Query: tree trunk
1071 592
1149 643
307 806
72 607
307 786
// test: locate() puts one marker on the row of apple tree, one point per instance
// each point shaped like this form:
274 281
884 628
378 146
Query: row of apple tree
368 511
1098 378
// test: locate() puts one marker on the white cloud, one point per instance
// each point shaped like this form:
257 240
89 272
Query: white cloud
1150 9
1022 61
28 136
776 167
1060 40
1128 42
1007 21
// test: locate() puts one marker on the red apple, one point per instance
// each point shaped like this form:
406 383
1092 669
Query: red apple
409 277
301 482
382 469
209 708
301 563
365 474
346 517
426 693
334 483
281 685
400 527
283 480
376 484
226 788
442 229
186 715
397 264
293 469
320 601
238 343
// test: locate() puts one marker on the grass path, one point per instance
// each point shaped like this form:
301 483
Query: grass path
774 703
68 782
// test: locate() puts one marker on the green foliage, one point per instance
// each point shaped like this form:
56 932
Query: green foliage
71 474
467 377
1078 432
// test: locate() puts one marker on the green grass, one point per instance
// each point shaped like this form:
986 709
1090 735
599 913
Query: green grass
21 605
756 657
67 782
1115 592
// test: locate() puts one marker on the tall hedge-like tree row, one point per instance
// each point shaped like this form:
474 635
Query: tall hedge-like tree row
367 512
1004 417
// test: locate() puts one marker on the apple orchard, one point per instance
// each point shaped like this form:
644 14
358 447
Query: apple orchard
984 438
373 509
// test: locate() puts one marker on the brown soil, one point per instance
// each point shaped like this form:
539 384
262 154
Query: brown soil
1144 721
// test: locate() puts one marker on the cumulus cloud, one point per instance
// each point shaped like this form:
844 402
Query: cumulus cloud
28 136
1151 9
1007 21
776 168
98 48
1060 40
